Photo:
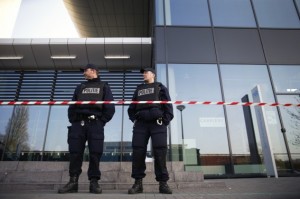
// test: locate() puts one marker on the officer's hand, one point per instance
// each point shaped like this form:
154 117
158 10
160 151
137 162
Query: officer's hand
166 122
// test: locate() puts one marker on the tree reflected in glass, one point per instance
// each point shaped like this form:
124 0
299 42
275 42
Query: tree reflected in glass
16 135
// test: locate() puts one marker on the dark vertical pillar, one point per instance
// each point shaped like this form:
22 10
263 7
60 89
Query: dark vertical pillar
254 156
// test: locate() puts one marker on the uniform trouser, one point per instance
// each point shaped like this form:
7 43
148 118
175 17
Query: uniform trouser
142 131
93 132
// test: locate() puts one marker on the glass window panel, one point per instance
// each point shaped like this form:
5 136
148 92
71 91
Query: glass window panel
56 146
187 12
232 13
112 139
27 133
159 11
238 81
291 120
298 5
287 81
286 78
276 14
161 73
127 136
200 129
6 112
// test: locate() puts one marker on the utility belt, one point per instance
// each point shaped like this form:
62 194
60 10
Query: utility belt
86 118
158 121
80 117
152 114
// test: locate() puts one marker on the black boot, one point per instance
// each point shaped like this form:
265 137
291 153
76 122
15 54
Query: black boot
71 186
95 187
164 188
137 187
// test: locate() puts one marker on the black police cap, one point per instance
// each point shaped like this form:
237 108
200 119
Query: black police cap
91 66
147 69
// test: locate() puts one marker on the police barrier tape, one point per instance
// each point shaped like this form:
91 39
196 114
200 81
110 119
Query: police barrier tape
144 102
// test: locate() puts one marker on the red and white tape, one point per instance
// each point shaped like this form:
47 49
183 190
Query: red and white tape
144 102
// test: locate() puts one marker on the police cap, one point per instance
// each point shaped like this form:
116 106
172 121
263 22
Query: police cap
147 69
91 66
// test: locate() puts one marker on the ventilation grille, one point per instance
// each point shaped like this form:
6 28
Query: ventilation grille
9 82
65 85
36 85
60 85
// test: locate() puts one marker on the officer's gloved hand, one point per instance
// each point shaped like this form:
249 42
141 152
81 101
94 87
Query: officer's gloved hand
165 122
103 119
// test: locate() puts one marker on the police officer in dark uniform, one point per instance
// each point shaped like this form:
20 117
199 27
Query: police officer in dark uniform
150 120
88 123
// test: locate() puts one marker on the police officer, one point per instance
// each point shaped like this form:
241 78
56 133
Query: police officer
88 123
150 120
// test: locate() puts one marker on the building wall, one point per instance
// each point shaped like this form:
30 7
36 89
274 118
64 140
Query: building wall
213 50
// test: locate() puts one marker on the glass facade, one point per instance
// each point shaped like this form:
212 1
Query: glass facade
248 43
229 13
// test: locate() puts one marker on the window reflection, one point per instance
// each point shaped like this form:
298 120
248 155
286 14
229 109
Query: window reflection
204 137
298 5
159 11
56 147
276 13
127 137
17 136
25 137
187 12
5 120
287 84
291 119
238 81
286 78
112 137
234 13
161 75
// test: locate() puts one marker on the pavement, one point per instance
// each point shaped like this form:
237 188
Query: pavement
239 188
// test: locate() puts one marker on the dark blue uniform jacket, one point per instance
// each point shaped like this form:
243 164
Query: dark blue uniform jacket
167 109
105 113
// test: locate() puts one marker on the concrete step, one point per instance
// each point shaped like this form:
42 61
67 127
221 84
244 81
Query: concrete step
106 177
115 175
148 187
64 166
